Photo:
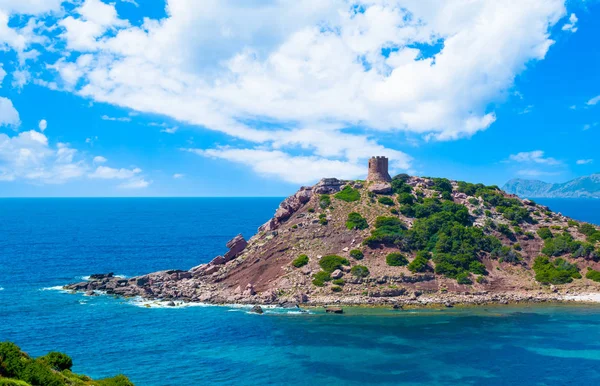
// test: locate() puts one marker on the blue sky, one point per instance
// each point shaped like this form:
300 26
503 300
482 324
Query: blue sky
222 98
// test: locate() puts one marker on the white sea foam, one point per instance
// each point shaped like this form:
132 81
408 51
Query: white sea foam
1 288
87 278
56 288
145 303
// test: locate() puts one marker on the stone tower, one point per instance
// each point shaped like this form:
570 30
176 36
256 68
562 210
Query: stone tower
378 170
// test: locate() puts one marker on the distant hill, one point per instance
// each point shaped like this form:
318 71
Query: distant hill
582 187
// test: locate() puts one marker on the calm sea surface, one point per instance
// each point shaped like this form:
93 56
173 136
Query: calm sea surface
45 243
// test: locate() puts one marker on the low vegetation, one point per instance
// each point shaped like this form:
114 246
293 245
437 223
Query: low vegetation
330 263
357 254
356 221
593 275
348 194
53 369
396 259
558 271
386 201
300 261
360 271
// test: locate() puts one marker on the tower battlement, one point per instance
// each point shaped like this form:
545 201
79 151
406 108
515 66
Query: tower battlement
378 169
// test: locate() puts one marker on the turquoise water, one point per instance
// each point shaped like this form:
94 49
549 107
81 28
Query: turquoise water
48 242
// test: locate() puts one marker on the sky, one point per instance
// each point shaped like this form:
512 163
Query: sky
259 97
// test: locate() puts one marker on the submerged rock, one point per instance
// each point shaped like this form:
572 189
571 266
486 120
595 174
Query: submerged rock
257 310
334 310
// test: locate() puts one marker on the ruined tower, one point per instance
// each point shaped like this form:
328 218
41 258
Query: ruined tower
378 169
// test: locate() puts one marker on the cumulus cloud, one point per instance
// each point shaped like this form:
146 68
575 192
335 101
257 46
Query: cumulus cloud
99 160
584 161
377 67
135 184
108 173
571 25
9 116
536 156
43 124
178 176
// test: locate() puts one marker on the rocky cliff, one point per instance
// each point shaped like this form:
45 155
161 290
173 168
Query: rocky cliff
412 241
582 187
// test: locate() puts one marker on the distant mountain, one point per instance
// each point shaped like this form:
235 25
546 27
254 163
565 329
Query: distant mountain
582 187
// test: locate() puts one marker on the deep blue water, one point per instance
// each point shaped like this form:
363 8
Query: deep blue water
49 242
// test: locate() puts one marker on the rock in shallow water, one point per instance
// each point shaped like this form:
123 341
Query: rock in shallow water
257 309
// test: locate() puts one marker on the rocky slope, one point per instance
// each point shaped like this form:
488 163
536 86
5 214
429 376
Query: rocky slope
582 187
412 241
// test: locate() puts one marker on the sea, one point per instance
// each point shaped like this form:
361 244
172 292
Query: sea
46 243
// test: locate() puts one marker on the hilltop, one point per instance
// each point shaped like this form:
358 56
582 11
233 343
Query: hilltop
581 187
408 240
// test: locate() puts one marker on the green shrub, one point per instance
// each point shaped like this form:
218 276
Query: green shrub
360 271
320 278
58 361
357 254
481 279
399 185
545 233
488 213
517 247
394 211
324 201
396 259
311 210
356 221
505 230
339 282
300 261
420 262
558 271
593 275
330 263
348 194
336 289
463 278
323 219
473 201
560 245
386 201
406 198
587 229
506 254
530 235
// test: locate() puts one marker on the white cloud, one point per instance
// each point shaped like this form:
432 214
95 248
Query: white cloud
536 156
43 124
178 176
584 161
135 184
118 119
310 64
108 173
30 7
99 160
9 116
571 25
593 101
588 126
133 2
170 130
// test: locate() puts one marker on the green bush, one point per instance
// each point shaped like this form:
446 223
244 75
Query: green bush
360 271
558 271
336 288
517 247
505 230
560 245
348 194
357 254
587 229
330 263
324 201
463 278
300 261
488 213
311 210
396 259
386 201
58 361
545 233
473 201
406 198
506 254
420 262
356 221
323 219
339 282
530 235
320 278
593 275
394 211
399 185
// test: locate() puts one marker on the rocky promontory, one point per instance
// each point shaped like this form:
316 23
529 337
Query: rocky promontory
407 240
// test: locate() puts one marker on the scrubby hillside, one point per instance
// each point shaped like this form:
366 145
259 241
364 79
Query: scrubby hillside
368 242
53 369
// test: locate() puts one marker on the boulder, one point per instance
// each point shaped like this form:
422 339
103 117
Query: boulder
236 246
337 274
380 188
219 260
257 309
100 276
334 310
249 291
328 186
